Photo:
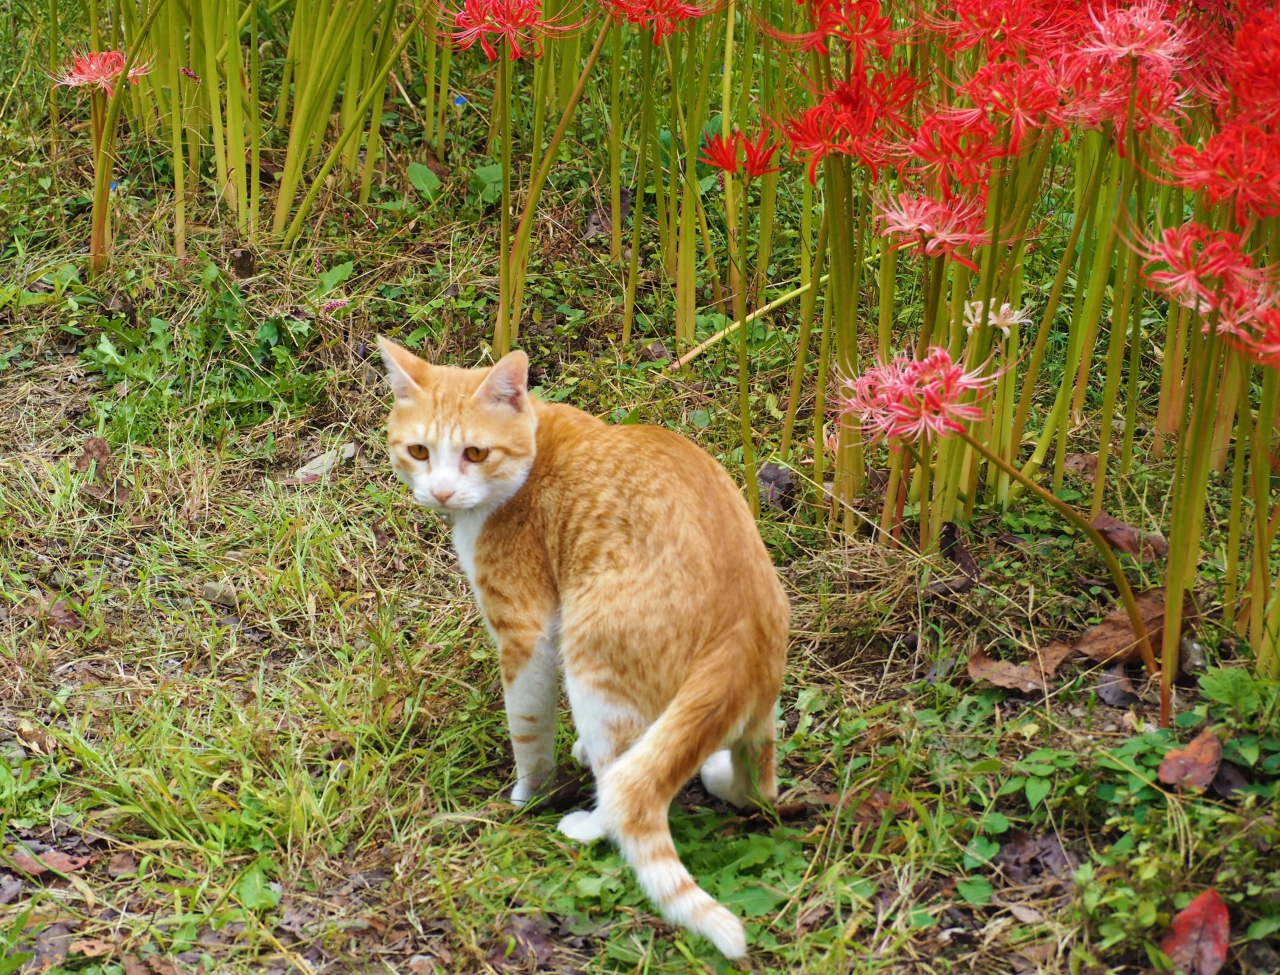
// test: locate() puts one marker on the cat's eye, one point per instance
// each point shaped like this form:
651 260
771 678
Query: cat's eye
419 451
476 454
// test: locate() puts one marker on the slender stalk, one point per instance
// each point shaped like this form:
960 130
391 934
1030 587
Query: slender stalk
1099 543
744 387
637 198
802 343
504 222
508 322
615 144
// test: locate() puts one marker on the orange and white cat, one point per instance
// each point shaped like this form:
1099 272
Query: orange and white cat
626 557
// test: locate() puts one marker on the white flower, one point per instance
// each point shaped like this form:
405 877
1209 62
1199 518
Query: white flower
1004 319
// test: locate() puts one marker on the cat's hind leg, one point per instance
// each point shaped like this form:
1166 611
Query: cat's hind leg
744 771
606 729
531 688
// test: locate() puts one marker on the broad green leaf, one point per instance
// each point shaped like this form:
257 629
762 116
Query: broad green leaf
253 891
1036 789
974 890
424 181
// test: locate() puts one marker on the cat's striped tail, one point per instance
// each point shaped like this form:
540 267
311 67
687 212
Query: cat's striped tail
636 791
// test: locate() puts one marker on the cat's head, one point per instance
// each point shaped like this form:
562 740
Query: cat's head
461 439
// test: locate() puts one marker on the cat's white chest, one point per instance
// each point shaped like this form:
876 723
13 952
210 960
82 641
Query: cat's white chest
466 532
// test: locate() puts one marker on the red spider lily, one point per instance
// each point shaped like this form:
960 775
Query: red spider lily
858 24
956 148
1209 271
99 69
1008 26
516 22
907 399
758 155
1240 163
663 17
937 227
722 151
1254 80
1021 94
1143 31
1097 90
1260 340
864 118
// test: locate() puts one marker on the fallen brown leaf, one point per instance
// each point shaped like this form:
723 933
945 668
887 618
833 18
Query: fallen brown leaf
1197 764
52 945
162 966
1025 914
60 616
1026 678
50 860
36 738
1130 540
96 451
1083 465
122 865
1199 935
92 948
134 966
1114 689
1112 640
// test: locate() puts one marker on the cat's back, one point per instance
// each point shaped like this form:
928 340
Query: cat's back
643 501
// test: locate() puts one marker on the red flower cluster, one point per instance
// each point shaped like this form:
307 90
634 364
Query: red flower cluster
1241 161
938 228
865 118
858 24
907 399
663 17
1208 270
722 153
513 22
99 69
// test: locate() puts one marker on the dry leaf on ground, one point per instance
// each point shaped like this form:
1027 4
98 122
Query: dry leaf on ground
52 945
1031 676
51 860
1197 764
60 616
122 865
134 966
1130 540
1112 640
36 738
1114 689
92 948
1085 465
1197 939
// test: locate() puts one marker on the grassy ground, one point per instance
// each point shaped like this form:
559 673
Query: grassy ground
258 717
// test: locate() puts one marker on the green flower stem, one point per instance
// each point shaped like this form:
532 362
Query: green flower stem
615 144
507 329
104 143
802 343
1099 543
637 200
1083 215
744 398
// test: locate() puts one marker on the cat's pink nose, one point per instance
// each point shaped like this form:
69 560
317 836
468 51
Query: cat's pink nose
442 495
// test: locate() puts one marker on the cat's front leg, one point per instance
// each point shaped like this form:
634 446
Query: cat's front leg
530 683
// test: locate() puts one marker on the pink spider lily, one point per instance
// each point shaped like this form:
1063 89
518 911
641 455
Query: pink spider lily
907 398
1206 270
1141 31
517 23
100 70
938 228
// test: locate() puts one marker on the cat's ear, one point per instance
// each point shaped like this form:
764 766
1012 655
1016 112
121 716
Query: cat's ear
507 383
404 369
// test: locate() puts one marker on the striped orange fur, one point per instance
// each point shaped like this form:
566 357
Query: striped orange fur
625 557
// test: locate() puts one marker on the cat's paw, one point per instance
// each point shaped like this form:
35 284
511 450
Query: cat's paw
580 753
717 778
521 793
583 826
